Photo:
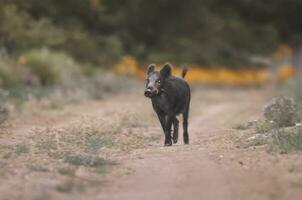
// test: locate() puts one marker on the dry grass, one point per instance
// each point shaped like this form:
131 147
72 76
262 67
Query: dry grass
274 138
92 136
72 159
241 126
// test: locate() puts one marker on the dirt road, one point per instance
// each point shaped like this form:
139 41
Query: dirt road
185 171
213 166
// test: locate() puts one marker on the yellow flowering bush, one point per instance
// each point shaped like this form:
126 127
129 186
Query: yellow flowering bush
199 74
220 75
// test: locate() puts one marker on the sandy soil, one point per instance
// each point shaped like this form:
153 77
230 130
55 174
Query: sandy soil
214 165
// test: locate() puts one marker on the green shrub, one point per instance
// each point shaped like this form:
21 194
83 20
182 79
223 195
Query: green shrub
103 83
287 140
276 138
263 127
283 111
8 73
20 31
97 50
52 67
293 88
82 46
112 50
4 112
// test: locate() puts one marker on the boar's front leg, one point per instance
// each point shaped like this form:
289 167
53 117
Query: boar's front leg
168 140
175 130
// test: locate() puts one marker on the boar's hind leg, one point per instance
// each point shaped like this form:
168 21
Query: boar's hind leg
175 130
185 126
161 117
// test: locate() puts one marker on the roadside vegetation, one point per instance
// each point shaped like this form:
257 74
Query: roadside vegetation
280 128
48 51
75 157
51 80
78 154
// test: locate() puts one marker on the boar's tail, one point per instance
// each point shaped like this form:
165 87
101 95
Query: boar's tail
184 71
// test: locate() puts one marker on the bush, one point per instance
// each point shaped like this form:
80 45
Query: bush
101 84
283 111
287 140
90 49
19 31
52 67
293 88
8 75
4 112
112 50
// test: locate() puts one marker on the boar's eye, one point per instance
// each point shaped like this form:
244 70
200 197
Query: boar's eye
158 80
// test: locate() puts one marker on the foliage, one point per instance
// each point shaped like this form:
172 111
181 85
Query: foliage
282 111
21 32
293 88
9 75
276 138
287 140
206 32
4 112
51 67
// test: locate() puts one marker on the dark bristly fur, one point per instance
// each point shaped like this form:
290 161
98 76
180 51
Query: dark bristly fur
170 97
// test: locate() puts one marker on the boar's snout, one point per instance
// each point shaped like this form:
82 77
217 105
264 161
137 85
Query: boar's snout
148 92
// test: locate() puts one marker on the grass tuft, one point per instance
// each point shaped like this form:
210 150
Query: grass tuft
66 187
21 148
66 171
287 140
241 126
95 142
84 159
263 127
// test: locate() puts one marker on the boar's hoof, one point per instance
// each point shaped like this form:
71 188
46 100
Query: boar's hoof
186 141
168 143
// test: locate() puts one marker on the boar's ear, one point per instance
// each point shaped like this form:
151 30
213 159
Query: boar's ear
166 70
150 69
